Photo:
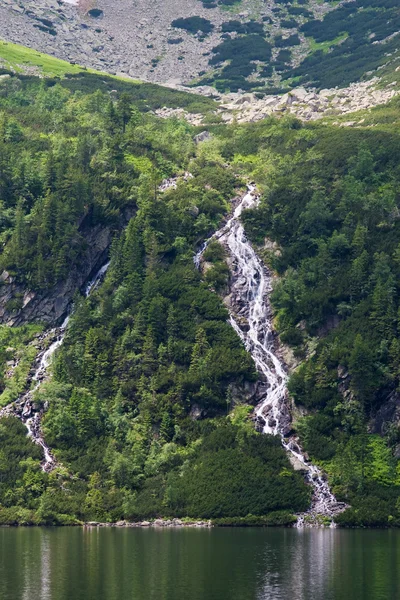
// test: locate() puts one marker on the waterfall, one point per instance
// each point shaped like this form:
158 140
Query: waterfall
250 291
94 283
24 407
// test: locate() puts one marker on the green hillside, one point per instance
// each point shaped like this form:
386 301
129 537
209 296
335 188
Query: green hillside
146 352
148 410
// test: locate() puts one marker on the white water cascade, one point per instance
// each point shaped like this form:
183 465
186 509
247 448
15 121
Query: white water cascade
24 407
250 291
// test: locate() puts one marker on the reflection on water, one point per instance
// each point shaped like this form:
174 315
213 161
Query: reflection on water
190 564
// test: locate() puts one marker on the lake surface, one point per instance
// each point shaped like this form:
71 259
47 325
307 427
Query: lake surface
198 564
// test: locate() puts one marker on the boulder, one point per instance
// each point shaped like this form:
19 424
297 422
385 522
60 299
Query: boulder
158 523
204 136
300 94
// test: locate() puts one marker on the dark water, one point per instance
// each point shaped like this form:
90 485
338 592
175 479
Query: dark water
190 564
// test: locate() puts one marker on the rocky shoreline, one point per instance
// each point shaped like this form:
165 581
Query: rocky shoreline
172 523
176 523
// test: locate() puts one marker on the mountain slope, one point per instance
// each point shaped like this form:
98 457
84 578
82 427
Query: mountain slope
152 392
149 365
247 45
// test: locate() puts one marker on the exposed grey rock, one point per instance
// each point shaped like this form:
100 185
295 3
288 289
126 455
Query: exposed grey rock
202 137
49 306
131 37
307 105
387 415
196 412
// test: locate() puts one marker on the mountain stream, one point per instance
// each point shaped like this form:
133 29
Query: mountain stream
25 408
251 318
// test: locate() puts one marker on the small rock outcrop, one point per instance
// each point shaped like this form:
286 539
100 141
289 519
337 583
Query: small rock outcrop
49 306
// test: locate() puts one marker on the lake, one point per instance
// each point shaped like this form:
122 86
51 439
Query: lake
198 564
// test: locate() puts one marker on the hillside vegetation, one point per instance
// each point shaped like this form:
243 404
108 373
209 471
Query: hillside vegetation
150 368
331 205
347 44
148 410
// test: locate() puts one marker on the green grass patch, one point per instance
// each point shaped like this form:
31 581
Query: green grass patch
147 96
326 46
19 58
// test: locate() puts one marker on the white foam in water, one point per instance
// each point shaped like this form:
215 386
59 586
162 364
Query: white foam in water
92 285
252 287
33 422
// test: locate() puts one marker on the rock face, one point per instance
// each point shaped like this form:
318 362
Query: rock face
49 306
307 105
132 37
387 416
302 104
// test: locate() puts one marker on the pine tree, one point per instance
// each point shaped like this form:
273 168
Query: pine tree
149 353
359 239
166 427
383 313
17 248
199 353
50 176
394 353
364 378
359 276
133 249
172 323
124 110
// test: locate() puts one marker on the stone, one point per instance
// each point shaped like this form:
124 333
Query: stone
193 211
300 94
202 137
50 306
196 412
286 100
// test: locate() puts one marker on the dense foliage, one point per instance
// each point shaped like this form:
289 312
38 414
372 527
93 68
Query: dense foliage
331 205
149 368
70 162
367 30
194 24
146 408
241 52
225 464
349 43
